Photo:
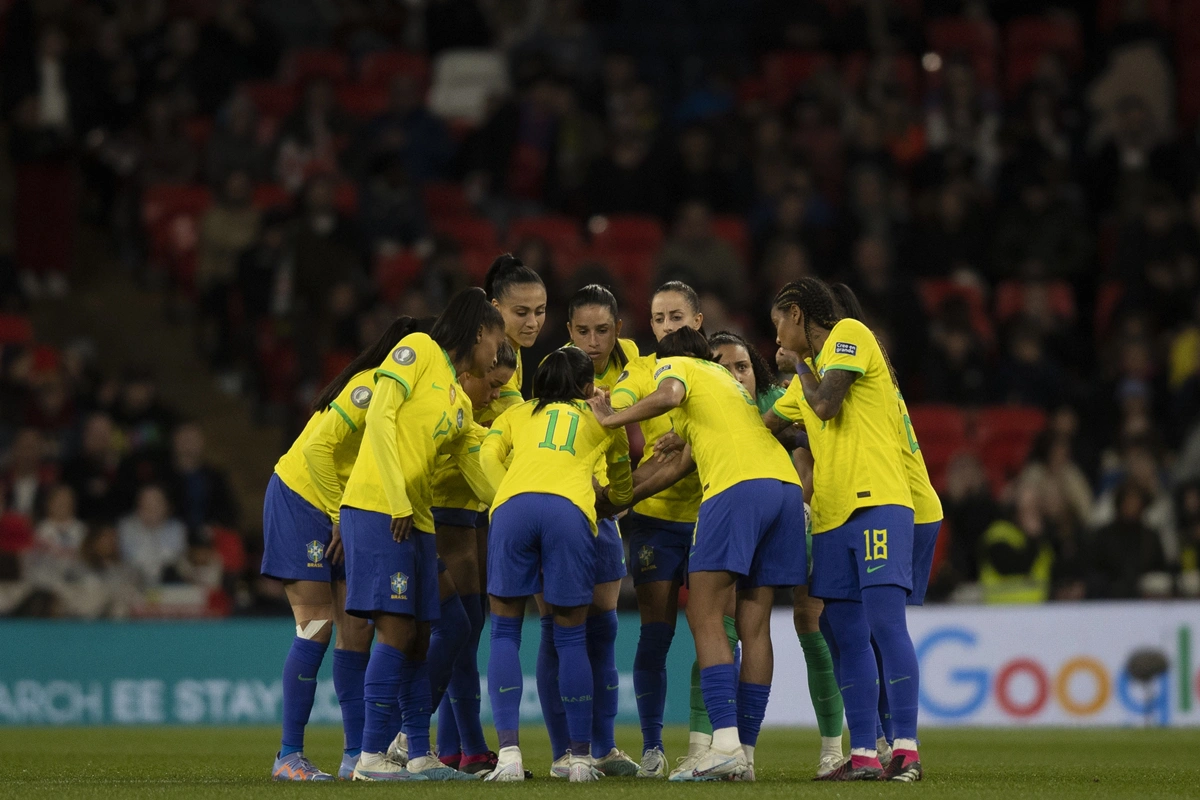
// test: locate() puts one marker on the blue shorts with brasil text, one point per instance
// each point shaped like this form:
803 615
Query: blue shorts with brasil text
657 548
295 536
754 529
872 548
541 543
383 575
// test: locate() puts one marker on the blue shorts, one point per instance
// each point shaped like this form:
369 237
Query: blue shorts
541 543
295 536
925 538
845 559
658 549
754 529
459 517
610 552
383 575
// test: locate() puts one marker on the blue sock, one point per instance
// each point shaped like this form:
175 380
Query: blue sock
396 720
858 676
751 708
299 689
548 693
414 699
883 728
650 680
575 681
381 687
505 682
349 669
448 636
719 685
884 608
602 652
448 743
464 685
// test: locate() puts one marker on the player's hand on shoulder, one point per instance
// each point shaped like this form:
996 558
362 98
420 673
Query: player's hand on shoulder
601 408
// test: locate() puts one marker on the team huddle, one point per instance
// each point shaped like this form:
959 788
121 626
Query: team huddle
426 495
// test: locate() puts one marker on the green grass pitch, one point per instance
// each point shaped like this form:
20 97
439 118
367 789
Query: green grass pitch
235 762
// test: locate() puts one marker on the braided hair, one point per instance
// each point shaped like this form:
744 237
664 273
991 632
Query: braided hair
815 300
852 309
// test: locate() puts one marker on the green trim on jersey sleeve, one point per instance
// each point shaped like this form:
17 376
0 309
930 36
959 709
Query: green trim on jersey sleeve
846 367
344 416
397 379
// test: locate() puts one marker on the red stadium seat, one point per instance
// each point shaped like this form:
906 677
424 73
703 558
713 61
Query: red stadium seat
305 65
15 329
1009 424
445 199
625 232
732 229
938 422
785 72
395 273
271 195
471 233
1011 297
345 198
560 232
477 260
380 68
333 362
362 100
273 100
935 292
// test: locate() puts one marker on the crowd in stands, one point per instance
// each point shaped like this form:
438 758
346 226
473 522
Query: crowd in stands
1010 187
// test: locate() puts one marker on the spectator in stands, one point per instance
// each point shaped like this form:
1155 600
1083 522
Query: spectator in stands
1042 237
626 180
1068 577
228 229
325 249
873 211
1158 258
235 45
961 116
27 477
695 254
1128 557
162 149
890 300
60 532
199 491
1027 375
234 145
1016 556
99 584
264 274
312 137
1051 463
152 541
1132 157
1139 468
695 175
565 43
954 242
407 129
391 213
92 473
956 368
970 509
454 23
1187 513
16 541
140 413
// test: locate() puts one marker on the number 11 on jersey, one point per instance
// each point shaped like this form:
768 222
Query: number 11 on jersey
569 445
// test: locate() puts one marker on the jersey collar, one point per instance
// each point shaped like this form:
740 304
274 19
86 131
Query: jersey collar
449 363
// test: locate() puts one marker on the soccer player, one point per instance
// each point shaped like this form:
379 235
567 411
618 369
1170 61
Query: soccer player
659 529
542 540
751 370
594 326
418 409
302 547
862 512
460 520
520 296
745 537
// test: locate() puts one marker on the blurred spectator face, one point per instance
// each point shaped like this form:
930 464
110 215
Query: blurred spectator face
960 83
183 38
241 116
951 208
98 435
102 546
768 136
787 261
238 189
26 452
534 253
1141 468
139 394
52 44
343 300
628 152
694 224
869 133
792 209
187 445
152 508
620 71
318 199
1136 359
1035 197
1131 503
404 95
60 505
318 97
872 263
869 192
1064 422
695 148
1026 347
1133 122
965 476
1029 510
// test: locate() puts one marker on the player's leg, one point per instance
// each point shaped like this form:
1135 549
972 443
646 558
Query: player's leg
757 669
448 638
506 685
549 696
699 727
352 649
822 681
312 609
658 606
602 647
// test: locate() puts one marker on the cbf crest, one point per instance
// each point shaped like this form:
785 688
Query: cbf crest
646 557
399 585
460 418
315 551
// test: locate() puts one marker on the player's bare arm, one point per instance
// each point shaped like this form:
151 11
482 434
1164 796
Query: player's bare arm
825 396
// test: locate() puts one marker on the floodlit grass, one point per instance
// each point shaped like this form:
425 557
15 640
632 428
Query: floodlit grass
235 763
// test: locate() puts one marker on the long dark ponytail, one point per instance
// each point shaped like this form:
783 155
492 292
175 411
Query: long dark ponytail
373 356
815 299
459 325
562 377
684 342
764 376
507 271
596 295
852 309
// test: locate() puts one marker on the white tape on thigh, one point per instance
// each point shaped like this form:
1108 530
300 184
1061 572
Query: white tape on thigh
311 629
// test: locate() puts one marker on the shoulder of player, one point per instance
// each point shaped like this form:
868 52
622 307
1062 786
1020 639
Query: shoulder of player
630 349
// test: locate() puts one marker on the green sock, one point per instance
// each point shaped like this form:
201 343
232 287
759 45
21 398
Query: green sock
731 632
822 684
698 722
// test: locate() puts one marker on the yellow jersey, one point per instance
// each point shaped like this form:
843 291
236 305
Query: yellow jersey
318 463
720 420
555 450
450 486
418 410
510 392
681 502
857 461
613 370
927 506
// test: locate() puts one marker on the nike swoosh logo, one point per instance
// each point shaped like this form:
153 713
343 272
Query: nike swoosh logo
611 688
436 386
307 680
820 699
643 694
873 569
844 688
906 677
504 689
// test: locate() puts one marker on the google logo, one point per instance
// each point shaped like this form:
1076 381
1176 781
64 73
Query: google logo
1023 687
